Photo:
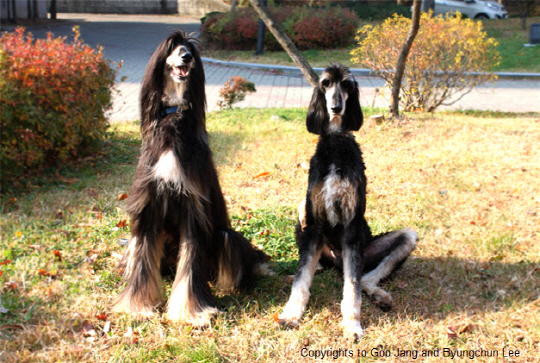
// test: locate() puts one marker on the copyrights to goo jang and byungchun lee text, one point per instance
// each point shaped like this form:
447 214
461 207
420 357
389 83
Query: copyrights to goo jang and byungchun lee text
445 353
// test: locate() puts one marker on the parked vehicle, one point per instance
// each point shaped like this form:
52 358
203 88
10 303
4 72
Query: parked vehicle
474 9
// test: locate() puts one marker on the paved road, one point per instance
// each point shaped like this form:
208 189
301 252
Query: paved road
132 39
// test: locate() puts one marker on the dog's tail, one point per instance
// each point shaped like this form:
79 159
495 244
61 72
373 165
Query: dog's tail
237 260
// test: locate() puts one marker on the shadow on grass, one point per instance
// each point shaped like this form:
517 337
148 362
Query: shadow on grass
424 288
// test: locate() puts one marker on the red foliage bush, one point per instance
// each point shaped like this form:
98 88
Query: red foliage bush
308 28
234 90
53 97
327 28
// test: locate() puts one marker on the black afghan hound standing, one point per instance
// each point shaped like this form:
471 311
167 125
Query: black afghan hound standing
179 220
332 226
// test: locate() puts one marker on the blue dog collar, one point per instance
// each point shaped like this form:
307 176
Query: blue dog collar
168 111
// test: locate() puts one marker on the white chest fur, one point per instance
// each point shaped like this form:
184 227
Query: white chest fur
167 170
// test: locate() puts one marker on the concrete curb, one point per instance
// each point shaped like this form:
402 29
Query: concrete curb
354 71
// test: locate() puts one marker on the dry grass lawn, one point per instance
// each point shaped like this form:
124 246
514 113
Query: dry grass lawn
468 183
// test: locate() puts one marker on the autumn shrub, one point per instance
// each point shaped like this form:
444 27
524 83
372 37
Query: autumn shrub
308 28
53 98
233 91
449 57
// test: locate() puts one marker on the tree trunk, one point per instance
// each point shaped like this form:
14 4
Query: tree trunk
283 39
400 68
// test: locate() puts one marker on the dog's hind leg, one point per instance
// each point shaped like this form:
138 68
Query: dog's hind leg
310 247
237 260
141 265
382 256
191 300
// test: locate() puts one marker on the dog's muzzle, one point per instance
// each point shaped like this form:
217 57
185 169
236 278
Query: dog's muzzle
181 71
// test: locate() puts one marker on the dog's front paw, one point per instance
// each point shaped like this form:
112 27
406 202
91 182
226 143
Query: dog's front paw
290 317
352 330
140 312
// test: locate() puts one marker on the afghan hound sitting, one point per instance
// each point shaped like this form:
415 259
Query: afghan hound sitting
332 226
179 221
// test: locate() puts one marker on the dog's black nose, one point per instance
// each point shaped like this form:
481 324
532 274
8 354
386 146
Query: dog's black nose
187 57
337 109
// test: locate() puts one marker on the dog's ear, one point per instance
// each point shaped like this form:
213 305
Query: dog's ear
317 116
353 118
197 79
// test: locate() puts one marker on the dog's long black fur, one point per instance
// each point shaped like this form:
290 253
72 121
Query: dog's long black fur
179 221
332 228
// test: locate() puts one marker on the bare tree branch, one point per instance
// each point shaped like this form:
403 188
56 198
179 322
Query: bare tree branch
283 39
400 68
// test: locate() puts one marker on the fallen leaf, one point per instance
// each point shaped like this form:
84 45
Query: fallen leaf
122 196
99 215
87 329
123 223
261 175
91 259
275 317
11 285
5 262
102 317
467 328
58 255
43 272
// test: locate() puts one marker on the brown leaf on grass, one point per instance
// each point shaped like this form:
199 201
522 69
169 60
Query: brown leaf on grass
102 316
122 196
43 272
451 331
10 286
275 317
87 329
468 328
261 175
58 255
123 223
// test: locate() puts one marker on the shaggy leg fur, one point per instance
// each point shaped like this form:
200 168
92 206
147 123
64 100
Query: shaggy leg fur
310 252
191 300
352 291
141 265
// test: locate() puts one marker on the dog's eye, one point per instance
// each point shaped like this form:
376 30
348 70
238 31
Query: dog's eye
325 83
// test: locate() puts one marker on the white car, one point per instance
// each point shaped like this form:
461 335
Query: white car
474 9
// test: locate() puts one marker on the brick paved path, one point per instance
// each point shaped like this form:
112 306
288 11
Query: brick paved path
133 38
